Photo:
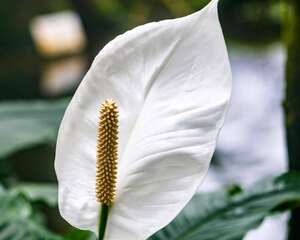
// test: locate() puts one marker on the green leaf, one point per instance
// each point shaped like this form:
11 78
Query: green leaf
23 124
46 193
229 217
20 199
20 221
77 234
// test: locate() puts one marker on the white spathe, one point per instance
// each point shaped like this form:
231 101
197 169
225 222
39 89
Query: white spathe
172 82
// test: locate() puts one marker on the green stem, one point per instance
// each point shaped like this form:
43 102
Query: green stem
103 215
292 102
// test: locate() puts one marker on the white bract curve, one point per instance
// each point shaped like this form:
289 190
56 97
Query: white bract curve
172 82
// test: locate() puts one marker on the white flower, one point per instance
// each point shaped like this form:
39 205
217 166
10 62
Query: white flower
171 81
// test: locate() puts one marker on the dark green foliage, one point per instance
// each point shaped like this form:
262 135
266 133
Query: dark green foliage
223 216
254 22
20 220
46 193
219 215
24 124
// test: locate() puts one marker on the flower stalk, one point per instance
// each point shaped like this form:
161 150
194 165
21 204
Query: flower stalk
103 216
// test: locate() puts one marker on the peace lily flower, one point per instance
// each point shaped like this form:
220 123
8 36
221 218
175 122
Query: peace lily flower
140 131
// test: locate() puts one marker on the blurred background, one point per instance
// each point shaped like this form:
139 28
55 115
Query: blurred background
47 46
